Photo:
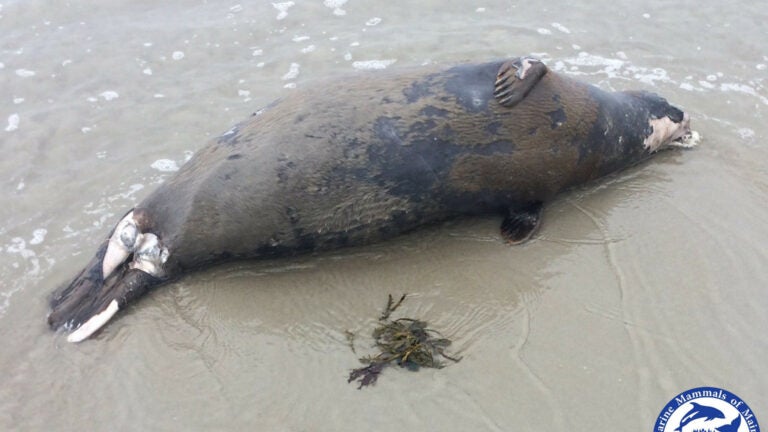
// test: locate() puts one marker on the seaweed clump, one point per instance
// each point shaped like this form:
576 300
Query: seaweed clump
406 342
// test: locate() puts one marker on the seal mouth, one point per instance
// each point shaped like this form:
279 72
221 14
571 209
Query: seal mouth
684 136
683 131
688 141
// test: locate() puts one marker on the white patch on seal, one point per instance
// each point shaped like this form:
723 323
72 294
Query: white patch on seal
526 64
150 255
665 132
94 323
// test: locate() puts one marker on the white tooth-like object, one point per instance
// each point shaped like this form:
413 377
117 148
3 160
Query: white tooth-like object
94 323
121 245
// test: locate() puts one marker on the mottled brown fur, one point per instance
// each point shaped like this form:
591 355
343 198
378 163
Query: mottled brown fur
305 166
544 160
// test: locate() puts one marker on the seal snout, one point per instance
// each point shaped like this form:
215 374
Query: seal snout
665 132
683 130
687 137
669 126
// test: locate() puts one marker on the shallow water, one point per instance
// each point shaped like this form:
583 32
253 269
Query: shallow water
635 289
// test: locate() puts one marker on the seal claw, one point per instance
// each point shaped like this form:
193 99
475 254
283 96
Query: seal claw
508 101
516 78
502 92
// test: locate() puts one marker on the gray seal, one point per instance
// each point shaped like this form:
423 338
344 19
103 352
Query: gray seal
357 160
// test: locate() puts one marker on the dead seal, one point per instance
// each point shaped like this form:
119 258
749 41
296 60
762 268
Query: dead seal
357 160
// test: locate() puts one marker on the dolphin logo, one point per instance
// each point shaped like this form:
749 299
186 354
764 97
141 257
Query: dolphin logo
698 412
732 426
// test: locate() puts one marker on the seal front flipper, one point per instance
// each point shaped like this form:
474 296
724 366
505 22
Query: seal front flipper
516 78
521 223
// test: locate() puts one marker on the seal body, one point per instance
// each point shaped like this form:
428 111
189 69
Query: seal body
353 161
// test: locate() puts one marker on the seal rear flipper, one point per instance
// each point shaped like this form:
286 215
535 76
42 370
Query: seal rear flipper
126 265
516 78
521 223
